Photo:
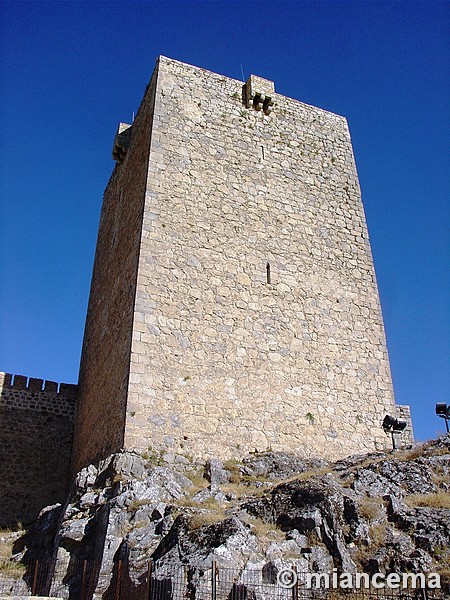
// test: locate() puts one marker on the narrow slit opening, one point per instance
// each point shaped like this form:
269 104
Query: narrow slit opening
268 273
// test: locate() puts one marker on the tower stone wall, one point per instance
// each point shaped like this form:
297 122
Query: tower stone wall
234 305
106 352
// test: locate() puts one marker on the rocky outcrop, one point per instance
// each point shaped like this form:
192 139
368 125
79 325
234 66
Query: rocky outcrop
374 513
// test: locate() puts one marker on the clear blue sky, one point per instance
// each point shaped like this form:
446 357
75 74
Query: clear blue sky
70 71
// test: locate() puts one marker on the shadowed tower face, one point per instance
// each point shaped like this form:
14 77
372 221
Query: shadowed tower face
233 304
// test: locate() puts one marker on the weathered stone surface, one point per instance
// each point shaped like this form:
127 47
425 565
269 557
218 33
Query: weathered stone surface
208 494
374 484
310 507
128 466
279 465
228 541
215 472
74 531
233 292
428 527
36 429
414 476
315 522
86 478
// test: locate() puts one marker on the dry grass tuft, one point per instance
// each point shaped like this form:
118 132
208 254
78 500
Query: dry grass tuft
7 566
378 534
263 529
244 489
305 475
370 508
203 519
233 466
199 481
441 478
412 453
434 500
136 504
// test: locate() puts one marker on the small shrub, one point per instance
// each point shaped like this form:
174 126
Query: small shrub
311 418
153 458
11 568
369 508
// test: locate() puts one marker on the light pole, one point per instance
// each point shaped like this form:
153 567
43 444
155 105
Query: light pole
443 411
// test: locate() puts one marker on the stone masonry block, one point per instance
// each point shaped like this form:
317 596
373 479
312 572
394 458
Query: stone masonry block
35 385
51 386
20 382
68 389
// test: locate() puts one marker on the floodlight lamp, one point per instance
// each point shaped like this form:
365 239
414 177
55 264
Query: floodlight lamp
442 409
387 423
400 425
391 424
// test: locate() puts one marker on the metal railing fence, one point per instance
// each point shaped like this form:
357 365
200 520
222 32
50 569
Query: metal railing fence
85 580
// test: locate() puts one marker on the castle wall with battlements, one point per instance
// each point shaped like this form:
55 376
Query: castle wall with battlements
36 429
234 304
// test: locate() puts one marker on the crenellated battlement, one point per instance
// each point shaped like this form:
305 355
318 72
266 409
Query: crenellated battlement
33 384
36 430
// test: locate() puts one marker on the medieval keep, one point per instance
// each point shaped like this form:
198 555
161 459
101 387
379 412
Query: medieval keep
233 306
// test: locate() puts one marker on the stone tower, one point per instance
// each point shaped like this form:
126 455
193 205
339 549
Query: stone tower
233 304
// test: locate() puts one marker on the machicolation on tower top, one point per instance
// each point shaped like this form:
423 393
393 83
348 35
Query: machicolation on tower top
233 304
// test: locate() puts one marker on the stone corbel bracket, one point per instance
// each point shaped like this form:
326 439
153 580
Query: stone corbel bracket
121 142
258 93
